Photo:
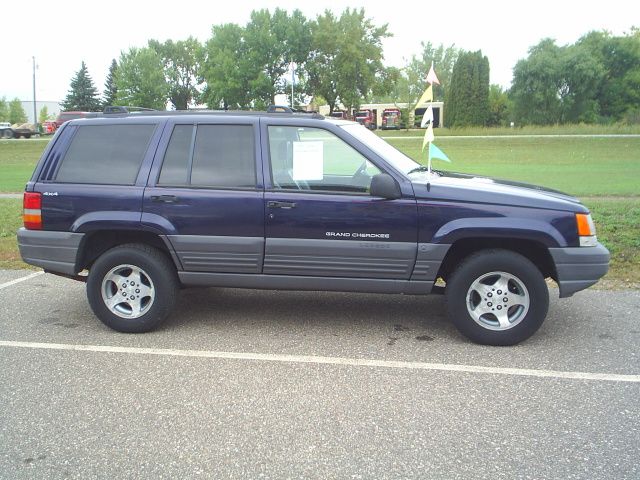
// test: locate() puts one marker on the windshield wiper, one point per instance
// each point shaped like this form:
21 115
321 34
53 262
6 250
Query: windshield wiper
421 168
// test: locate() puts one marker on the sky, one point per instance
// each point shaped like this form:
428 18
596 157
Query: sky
62 34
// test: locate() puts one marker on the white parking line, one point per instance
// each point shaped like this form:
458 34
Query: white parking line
18 280
356 362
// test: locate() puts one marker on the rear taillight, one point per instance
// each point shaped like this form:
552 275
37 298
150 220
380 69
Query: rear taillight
32 210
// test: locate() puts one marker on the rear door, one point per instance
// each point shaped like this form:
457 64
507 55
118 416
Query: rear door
205 193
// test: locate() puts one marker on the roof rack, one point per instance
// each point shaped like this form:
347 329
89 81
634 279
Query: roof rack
113 109
271 110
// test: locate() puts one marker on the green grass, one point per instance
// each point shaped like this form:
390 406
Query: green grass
580 129
618 228
17 160
580 166
10 221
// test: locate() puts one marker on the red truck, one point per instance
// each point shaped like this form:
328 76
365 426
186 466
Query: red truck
339 114
391 119
66 116
367 118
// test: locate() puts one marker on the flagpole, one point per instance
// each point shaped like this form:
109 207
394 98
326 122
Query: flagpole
429 162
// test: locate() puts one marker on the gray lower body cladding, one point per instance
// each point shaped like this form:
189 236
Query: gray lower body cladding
339 258
579 267
293 282
309 264
55 251
200 253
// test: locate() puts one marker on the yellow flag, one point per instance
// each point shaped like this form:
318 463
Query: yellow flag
427 96
428 136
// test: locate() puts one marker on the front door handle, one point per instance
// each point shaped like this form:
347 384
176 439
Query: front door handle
164 198
274 204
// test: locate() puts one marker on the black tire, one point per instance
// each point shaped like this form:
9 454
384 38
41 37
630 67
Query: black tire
7 134
526 305
159 284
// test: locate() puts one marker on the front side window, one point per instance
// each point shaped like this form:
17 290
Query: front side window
313 159
216 156
105 154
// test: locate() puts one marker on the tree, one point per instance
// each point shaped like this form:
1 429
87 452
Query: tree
140 79
82 94
16 112
4 110
618 88
468 97
499 106
225 68
43 116
273 41
345 62
412 79
556 84
110 89
443 58
246 66
181 69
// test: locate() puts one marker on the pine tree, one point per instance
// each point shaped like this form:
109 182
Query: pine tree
82 95
110 87
468 103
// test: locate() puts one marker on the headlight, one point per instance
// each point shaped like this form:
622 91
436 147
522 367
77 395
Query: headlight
586 230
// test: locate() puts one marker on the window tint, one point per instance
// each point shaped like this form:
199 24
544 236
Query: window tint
313 159
224 156
105 154
175 167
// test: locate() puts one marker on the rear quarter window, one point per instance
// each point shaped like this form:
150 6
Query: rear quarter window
105 154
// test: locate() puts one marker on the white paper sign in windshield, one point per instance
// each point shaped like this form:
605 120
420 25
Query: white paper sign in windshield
308 160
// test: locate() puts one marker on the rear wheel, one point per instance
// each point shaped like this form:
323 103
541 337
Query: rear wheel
497 297
132 288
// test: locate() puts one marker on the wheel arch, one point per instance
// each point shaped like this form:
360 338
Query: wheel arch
533 250
96 242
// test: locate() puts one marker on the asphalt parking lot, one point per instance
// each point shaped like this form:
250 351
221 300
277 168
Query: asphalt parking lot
252 384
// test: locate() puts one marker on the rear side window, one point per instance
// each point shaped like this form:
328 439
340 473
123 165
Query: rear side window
105 154
221 156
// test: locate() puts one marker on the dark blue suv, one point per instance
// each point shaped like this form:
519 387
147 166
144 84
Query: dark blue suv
150 202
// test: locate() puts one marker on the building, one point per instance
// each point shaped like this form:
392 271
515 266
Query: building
53 109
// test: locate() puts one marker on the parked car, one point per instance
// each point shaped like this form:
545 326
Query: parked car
150 202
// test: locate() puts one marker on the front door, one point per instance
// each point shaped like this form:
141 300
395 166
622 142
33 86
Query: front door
206 194
321 220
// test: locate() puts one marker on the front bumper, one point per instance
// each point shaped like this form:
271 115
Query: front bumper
579 267
53 251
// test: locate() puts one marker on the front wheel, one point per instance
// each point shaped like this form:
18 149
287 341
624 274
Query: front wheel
497 297
132 288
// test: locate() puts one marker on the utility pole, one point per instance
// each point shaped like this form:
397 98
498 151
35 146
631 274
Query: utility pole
293 79
35 109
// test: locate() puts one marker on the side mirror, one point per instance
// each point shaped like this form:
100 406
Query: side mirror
384 185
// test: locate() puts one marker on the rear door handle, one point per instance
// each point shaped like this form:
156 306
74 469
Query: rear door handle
164 198
274 204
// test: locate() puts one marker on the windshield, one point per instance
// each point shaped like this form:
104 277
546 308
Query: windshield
391 154
362 114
